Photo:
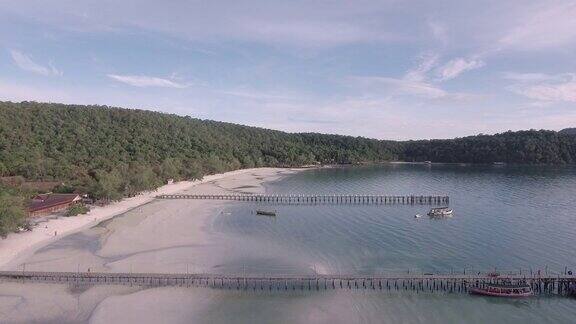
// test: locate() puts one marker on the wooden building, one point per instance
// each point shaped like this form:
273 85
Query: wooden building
45 204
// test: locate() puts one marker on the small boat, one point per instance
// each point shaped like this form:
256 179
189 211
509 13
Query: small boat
503 290
428 162
440 212
417 216
266 213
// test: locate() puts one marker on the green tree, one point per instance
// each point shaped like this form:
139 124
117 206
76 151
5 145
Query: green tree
171 169
12 213
107 185
77 209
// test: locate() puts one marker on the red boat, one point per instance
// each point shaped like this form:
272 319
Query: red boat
503 290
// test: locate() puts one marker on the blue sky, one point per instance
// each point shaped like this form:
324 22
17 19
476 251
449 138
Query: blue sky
384 69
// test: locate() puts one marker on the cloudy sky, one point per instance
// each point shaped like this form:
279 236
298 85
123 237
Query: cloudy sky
385 69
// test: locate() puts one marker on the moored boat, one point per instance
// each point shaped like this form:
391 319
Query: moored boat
503 290
440 212
266 213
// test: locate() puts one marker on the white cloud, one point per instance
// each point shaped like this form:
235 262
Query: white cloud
294 23
147 81
552 92
417 82
26 63
542 27
526 77
392 87
455 67
399 86
427 62
544 87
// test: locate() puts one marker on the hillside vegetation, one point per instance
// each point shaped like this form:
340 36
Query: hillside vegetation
111 152
522 147
568 131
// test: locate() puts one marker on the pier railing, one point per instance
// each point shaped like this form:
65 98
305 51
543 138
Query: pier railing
323 199
561 284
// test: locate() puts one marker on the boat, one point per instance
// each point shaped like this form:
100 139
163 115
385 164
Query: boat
440 212
417 216
266 213
503 290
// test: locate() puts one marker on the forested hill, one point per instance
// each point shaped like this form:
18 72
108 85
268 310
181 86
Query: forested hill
112 152
522 147
568 131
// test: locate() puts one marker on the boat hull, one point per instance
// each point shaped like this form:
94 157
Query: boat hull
484 292
440 212
265 213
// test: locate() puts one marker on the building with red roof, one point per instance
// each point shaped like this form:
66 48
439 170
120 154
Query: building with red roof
45 204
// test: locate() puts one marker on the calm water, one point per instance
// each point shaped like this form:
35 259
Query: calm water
505 217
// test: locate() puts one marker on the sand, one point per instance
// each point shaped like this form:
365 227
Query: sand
139 234
18 247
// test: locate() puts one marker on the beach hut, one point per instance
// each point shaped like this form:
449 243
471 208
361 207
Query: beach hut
45 204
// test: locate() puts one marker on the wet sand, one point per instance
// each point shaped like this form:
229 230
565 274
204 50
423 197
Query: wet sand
158 236
19 247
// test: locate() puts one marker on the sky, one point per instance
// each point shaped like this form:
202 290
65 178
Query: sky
384 69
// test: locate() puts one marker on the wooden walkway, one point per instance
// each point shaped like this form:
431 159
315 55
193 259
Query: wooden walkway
457 283
323 199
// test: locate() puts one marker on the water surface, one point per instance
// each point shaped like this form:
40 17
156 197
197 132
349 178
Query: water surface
506 218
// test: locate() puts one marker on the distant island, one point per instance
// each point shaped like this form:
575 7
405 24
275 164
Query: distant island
109 153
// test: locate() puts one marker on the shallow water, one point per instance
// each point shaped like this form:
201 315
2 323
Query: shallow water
507 218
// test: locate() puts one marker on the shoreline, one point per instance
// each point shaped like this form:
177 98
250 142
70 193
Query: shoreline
19 246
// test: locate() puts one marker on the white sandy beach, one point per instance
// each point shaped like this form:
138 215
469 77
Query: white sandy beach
161 236
19 246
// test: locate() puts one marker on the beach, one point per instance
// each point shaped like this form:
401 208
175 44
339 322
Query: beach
20 246
139 234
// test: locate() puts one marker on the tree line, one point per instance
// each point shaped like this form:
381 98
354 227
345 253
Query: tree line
111 153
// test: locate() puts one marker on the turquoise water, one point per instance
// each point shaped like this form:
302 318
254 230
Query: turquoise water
508 218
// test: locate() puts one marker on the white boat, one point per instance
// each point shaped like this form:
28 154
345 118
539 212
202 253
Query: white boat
417 216
503 290
440 212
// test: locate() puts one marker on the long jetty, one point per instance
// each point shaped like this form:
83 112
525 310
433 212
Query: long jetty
323 199
451 283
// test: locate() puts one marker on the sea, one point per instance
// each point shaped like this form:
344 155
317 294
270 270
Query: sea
506 219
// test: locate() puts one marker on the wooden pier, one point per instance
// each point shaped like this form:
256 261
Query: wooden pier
452 283
323 199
